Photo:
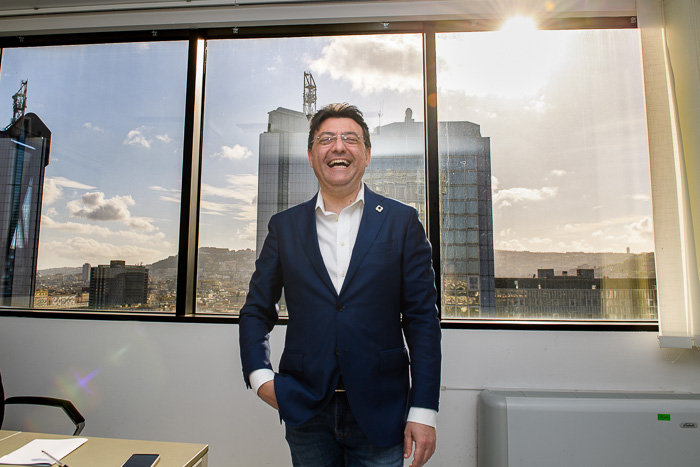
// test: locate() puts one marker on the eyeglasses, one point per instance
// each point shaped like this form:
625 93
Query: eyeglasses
349 139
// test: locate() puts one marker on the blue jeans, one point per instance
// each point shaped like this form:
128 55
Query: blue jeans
333 439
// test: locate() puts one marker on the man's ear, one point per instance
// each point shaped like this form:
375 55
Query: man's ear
308 153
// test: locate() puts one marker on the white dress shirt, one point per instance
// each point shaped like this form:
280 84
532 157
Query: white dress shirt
336 239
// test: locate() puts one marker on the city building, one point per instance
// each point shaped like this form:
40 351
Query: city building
397 170
86 273
575 297
24 155
285 178
118 285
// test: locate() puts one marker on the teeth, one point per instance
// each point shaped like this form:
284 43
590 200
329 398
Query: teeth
338 162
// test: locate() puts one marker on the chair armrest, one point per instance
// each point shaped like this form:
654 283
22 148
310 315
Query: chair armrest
67 406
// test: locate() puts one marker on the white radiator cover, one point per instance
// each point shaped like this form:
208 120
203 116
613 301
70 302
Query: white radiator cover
588 429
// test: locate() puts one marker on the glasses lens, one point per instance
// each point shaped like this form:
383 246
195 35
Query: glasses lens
350 139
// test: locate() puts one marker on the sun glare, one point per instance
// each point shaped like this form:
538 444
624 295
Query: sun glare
516 61
519 25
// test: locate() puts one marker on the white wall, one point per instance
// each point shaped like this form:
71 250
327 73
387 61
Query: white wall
182 382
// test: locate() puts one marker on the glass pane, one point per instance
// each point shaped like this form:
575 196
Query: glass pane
254 155
547 130
94 165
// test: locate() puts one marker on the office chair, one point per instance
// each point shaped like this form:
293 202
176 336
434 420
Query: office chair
67 406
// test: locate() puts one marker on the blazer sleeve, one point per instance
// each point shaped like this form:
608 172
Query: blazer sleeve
260 312
420 319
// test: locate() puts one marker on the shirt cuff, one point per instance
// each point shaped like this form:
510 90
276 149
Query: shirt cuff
422 416
259 377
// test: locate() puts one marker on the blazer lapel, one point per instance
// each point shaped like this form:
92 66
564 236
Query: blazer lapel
306 229
373 216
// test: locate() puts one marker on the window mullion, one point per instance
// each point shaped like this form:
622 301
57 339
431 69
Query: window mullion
191 177
431 150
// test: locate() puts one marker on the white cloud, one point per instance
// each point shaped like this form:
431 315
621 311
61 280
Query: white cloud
508 196
639 197
248 232
137 137
577 245
641 230
213 208
148 233
172 199
92 127
53 188
52 192
95 206
545 244
164 138
236 153
558 172
64 182
240 193
243 187
373 63
141 223
84 229
511 245
79 249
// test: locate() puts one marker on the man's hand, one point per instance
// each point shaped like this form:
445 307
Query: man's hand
424 437
266 392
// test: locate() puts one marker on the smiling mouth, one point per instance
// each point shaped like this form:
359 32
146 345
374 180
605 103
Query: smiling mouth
338 163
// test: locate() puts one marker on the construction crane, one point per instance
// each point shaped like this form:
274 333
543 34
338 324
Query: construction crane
309 95
19 103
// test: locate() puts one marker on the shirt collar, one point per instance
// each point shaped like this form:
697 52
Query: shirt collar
321 205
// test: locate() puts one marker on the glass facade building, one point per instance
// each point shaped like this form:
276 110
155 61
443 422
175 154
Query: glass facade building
397 170
24 155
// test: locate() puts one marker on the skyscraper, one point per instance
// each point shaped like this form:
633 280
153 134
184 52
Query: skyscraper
397 170
285 178
24 155
118 285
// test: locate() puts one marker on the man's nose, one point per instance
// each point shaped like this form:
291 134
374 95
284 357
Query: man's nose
338 144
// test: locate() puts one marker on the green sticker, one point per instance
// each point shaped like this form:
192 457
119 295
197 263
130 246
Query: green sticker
664 417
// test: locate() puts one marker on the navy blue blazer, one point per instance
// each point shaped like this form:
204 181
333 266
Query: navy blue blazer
388 298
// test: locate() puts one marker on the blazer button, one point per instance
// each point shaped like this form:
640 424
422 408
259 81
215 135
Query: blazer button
339 307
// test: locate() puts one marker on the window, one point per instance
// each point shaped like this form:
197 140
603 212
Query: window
258 95
551 127
91 175
543 182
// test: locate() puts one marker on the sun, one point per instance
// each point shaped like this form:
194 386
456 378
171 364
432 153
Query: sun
518 26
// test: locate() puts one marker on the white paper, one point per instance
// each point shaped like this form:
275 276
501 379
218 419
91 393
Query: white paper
30 453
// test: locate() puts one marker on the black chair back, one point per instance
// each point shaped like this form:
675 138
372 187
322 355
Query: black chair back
2 402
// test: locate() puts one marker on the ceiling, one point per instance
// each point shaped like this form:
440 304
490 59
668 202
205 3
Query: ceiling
57 6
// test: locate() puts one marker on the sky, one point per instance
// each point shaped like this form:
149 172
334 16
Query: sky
563 111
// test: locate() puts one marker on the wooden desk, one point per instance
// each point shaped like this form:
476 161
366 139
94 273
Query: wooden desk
6 434
108 452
